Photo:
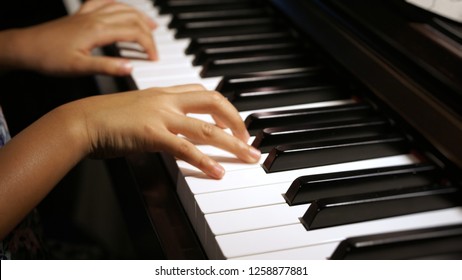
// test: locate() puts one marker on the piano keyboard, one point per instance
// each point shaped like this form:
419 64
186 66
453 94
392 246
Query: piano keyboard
326 149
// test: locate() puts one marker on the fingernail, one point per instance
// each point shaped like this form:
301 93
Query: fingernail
217 171
256 154
127 67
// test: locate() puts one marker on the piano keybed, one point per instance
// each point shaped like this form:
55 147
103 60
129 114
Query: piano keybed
334 167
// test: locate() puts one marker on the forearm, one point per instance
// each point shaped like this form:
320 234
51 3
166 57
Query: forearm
114 125
34 161
12 49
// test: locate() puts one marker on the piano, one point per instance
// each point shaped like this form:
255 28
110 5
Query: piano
356 106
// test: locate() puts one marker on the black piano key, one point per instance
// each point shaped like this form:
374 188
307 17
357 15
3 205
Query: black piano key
188 3
438 243
179 20
288 157
251 93
271 137
285 78
235 51
357 111
447 28
259 63
344 210
228 27
307 189
197 44
285 97
182 6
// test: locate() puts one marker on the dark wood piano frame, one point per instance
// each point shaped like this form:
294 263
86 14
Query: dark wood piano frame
382 71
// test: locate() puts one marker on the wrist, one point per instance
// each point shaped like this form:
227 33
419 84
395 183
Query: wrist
72 124
15 49
10 53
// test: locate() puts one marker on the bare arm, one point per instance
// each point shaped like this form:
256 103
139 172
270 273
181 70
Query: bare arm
113 125
33 162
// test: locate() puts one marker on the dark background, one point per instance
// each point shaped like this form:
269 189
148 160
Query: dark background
77 223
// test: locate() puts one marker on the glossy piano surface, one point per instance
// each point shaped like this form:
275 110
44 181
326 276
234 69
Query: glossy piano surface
410 59
381 57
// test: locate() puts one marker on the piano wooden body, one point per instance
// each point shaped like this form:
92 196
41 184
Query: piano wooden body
382 183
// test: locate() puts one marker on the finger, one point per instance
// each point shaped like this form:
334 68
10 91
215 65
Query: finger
93 5
205 133
118 8
219 123
128 16
182 88
185 150
103 65
215 104
128 33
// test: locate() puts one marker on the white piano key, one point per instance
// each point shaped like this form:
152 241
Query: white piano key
168 55
129 45
257 176
177 47
163 30
315 252
162 21
133 54
212 225
296 236
254 218
162 72
224 222
222 201
229 163
161 38
147 83
162 78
